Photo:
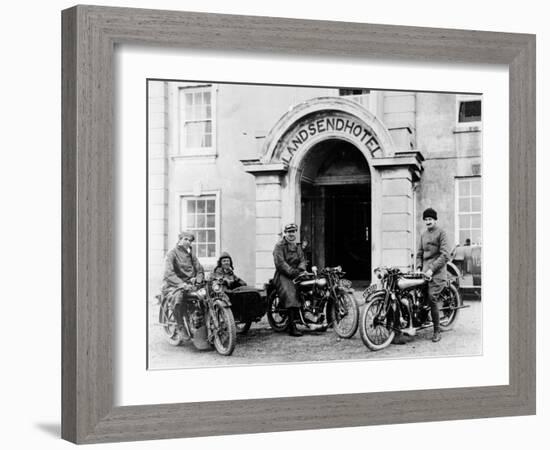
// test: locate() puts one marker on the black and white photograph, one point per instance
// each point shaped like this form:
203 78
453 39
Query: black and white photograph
293 224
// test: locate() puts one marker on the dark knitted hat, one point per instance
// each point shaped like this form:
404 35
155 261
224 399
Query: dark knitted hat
429 212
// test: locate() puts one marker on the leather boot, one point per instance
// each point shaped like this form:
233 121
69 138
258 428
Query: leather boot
292 330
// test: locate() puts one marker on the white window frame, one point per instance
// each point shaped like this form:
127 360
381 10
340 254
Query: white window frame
457 208
468 126
176 122
182 222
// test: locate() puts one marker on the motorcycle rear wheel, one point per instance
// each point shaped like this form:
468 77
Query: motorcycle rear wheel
345 325
276 316
376 334
451 299
169 325
225 337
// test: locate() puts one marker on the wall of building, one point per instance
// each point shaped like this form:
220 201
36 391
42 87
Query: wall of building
450 150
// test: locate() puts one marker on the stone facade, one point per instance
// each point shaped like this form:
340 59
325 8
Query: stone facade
270 143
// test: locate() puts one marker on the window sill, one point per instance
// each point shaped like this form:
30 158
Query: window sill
467 128
202 157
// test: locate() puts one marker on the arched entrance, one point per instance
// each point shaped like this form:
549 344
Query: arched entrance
331 166
335 188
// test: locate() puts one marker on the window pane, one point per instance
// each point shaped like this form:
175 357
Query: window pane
189 100
464 205
464 188
476 204
476 186
464 234
211 236
476 220
201 221
210 220
207 141
201 206
464 221
207 97
211 250
201 237
470 111
190 221
211 206
201 251
191 206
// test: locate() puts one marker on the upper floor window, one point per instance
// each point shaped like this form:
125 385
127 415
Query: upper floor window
346 91
468 110
196 105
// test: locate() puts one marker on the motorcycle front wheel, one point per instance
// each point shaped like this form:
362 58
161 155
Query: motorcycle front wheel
345 312
225 335
169 325
376 332
276 316
448 314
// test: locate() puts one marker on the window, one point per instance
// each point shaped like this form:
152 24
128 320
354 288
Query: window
468 220
468 110
199 214
196 119
360 96
346 92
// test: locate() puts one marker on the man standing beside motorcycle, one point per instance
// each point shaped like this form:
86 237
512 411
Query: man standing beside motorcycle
431 259
289 263
181 267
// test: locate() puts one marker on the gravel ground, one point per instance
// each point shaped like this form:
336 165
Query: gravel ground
263 346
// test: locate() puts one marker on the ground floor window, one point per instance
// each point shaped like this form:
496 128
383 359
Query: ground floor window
468 210
199 214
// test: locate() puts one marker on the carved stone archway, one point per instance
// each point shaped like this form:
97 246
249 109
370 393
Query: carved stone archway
279 169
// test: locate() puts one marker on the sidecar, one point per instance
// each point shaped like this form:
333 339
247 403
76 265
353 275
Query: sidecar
248 305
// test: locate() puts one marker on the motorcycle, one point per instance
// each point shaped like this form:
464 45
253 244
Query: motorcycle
326 300
207 318
401 306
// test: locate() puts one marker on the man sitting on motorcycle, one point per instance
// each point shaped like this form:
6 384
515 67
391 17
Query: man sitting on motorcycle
431 258
224 270
289 263
181 267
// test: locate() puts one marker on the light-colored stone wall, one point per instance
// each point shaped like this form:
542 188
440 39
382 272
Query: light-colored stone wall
450 151
158 182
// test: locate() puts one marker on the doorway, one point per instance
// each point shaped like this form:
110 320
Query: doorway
336 208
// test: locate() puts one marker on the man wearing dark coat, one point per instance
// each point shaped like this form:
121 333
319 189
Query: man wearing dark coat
431 259
289 263
181 267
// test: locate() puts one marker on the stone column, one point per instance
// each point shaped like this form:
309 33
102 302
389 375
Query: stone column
268 179
397 221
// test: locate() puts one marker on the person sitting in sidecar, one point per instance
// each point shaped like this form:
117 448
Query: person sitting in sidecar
247 303
225 270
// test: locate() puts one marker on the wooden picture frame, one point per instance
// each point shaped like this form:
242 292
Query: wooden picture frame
89 37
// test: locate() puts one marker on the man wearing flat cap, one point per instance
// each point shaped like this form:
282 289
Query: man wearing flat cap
431 259
181 266
289 263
